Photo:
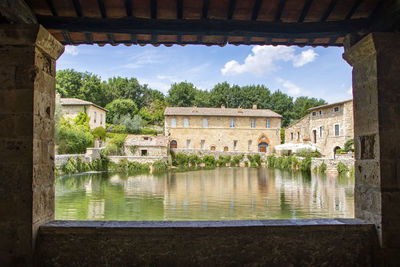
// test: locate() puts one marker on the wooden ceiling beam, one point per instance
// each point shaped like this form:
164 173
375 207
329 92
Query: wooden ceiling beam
102 8
204 13
256 10
305 10
279 11
353 9
77 7
179 9
128 8
231 9
51 7
328 11
153 9
329 29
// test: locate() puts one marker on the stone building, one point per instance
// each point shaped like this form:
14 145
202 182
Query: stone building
328 127
71 107
223 129
146 145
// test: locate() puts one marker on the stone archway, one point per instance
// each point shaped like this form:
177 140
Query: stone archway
263 147
212 148
334 151
226 148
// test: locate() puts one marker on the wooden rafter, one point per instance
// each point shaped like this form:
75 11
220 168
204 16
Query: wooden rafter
128 8
279 11
231 9
256 9
77 7
153 9
204 12
353 9
205 27
179 9
328 11
51 7
102 8
305 10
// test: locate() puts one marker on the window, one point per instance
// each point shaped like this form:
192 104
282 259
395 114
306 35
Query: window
232 123
205 123
188 144
268 124
253 123
336 109
144 152
173 122
235 142
320 131
291 136
314 113
185 122
298 136
337 130
203 144
94 117
249 144
101 119
320 112
145 138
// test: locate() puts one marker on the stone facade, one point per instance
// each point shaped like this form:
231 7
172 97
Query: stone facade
331 164
327 127
142 160
27 104
212 131
71 107
146 145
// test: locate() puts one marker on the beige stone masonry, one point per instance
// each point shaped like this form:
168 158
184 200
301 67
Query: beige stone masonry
376 85
27 93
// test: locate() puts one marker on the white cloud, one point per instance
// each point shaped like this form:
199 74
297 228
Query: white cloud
145 58
156 84
71 50
304 58
264 59
290 87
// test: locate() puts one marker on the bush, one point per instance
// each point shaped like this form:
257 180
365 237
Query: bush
340 151
246 163
136 167
349 145
306 152
115 144
72 139
223 160
182 159
148 131
257 159
160 166
236 160
194 160
209 161
305 165
271 161
342 168
69 167
295 163
322 167
115 128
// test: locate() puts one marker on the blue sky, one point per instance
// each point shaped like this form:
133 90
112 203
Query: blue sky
316 72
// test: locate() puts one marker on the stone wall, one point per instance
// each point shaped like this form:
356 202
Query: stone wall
141 160
331 164
217 154
340 242
91 154
220 135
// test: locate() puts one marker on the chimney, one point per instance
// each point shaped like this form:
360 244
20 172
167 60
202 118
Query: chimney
222 106
194 108
240 110
255 106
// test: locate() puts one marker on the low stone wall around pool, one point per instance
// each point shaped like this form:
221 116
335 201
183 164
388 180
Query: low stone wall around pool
331 164
142 160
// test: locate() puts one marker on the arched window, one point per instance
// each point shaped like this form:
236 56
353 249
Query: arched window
226 148
173 144
263 147
212 148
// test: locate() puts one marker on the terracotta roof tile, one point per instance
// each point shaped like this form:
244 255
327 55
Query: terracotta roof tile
195 111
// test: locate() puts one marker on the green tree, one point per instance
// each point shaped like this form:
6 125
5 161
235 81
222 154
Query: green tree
282 104
120 107
303 103
181 95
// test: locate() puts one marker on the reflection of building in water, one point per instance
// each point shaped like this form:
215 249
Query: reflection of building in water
95 209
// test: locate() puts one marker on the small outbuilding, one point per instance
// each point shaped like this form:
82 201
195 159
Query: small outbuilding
146 145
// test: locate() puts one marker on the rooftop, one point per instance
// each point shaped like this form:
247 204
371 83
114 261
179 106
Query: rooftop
78 102
330 105
146 140
234 112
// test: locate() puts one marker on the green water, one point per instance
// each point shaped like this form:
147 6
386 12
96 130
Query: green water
220 194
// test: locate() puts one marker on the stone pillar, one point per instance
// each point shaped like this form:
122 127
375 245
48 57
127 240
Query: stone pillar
376 90
27 100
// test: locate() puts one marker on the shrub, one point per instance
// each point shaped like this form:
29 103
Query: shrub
236 160
115 128
115 145
182 159
148 131
246 163
257 159
209 161
340 151
160 166
136 167
223 160
99 133
194 160
306 152
322 167
295 163
305 165
69 167
81 165
271 161
349 145
72 139
342 168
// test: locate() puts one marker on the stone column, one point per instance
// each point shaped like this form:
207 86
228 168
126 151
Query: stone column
27 101
376 90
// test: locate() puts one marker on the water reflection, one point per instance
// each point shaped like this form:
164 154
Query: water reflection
220 194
